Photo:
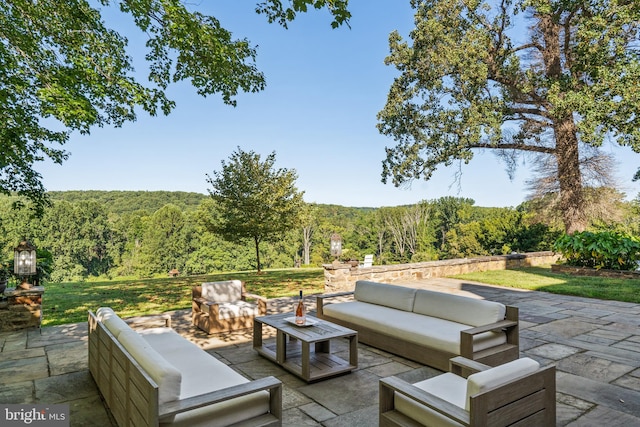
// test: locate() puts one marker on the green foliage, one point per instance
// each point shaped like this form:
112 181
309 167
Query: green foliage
469 81
608 250
253 200
99 234
64 70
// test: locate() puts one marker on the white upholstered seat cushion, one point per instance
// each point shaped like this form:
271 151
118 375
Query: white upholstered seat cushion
202 373
393 296
427 331
449 387
228 310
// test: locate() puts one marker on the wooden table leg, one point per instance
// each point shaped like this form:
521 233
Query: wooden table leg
353 350
281 347
306 368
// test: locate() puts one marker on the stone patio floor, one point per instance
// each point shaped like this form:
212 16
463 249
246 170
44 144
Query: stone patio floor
594 344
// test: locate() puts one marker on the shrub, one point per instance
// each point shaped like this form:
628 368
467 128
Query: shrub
606 249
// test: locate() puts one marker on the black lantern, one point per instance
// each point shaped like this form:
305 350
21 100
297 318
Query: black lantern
24 261
336 245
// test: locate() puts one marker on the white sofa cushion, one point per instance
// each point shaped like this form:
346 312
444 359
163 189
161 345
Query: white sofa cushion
449 387
224 291
166 376
393 296
229 310
112 321
203 373
499 375
430 332
457 308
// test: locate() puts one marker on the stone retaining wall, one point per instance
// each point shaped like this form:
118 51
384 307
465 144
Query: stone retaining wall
340 277
20 309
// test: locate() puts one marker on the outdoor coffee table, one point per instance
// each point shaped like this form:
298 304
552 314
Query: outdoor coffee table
292 349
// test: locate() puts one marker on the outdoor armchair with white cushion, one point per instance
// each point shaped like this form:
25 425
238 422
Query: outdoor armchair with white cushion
223 306
516 393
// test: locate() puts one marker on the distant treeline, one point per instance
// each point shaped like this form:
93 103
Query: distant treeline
141 234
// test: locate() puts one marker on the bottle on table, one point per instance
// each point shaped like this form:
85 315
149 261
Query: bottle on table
301 312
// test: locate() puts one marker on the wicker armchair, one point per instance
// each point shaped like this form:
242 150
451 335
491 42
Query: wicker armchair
223 306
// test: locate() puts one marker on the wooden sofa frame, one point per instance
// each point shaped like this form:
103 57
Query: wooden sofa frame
525 401
206 316
132 395
506 352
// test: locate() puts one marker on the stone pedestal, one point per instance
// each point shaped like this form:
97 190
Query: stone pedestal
21 308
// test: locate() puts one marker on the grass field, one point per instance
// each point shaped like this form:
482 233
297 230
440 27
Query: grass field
542 279
69 302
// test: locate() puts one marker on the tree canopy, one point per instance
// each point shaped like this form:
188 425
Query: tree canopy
63 69
471 81
253 200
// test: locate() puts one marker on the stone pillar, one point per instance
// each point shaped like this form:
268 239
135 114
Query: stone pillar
21 308
337 277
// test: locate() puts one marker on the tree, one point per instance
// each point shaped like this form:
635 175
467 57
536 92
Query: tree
254 200
62 69
467 84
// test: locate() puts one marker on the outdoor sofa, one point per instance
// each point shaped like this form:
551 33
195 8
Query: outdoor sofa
426 326
157 377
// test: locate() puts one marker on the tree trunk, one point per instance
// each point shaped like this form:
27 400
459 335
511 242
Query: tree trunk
565 133
257 243
569 176
306 243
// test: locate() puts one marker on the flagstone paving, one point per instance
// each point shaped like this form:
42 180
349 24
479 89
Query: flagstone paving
594 344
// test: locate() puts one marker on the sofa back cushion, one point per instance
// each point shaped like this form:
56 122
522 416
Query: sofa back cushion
456 308
225 291
112 321
398 297
500 375
165 375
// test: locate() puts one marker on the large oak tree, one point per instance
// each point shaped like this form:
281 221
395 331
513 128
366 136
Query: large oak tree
63 69
568 73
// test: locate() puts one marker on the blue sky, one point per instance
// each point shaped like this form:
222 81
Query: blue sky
318 113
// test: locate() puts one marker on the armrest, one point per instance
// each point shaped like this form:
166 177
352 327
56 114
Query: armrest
271 384
254 296
320 301
262 302
161 317
336 294
425 398
466 336
458 363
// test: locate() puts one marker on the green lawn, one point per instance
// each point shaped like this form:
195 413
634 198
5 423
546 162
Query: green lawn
68 302
542 279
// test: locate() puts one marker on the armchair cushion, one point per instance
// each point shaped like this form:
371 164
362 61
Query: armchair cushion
497 376
226 291
448 386
230 310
